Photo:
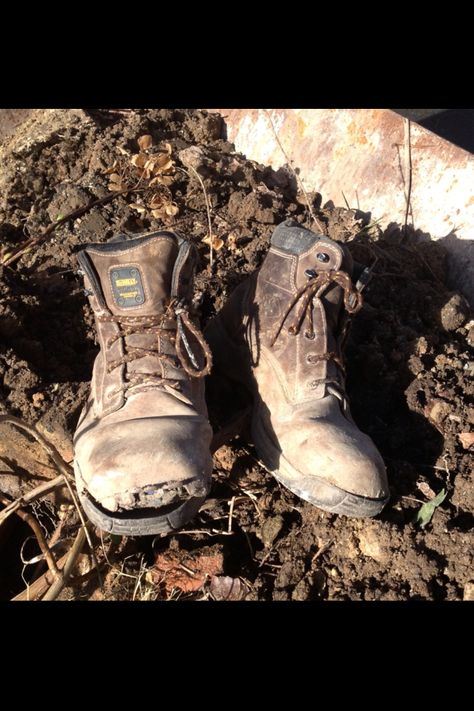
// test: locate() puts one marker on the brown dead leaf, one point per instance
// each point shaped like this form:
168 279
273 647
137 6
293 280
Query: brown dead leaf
139 208
157 200
166 179
172 209
124 151
164 167
166 147
112 169
145 142
223 587
217 242
116 187
139 160
185 571
467 439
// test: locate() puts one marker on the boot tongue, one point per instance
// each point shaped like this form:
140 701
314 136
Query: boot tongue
315 252
135 275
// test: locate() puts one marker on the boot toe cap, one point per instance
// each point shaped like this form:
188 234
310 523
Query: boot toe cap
145 463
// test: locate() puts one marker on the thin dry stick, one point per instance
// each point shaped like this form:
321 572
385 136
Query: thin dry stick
208 210
36 589
36 528
35 241
31 496
290 164
409 170
231 511
59 584
62 467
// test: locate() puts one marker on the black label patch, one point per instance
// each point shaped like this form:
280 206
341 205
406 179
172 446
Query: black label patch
127 287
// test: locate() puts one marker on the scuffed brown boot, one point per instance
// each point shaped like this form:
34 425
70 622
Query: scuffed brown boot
142 458
281 334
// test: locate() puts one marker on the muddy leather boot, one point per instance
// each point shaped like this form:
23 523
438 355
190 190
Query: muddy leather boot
281 335
142 457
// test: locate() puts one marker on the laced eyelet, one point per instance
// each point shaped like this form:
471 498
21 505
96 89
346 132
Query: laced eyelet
309 358
323 257
310 336
291 331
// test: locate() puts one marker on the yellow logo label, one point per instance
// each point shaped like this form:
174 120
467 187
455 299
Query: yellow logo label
126 282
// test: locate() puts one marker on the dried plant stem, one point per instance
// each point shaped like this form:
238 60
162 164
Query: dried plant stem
39 586
36 528
35 241
31 496
409 170
73 555
290 165
208 210
61 466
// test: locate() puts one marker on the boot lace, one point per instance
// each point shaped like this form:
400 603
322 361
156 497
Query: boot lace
314 288
155 325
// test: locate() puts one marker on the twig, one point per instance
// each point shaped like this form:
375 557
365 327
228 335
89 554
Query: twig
208 210
321 550
290 164
31 496
231 511
35 241
62 467
36 589
73 555
408 165
36 528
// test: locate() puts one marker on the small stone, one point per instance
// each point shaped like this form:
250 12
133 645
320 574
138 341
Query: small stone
371 547
301 591
454 313
270 529
468 591
38 399
439 410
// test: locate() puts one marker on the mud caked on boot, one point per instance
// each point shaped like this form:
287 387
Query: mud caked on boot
142 445
281 334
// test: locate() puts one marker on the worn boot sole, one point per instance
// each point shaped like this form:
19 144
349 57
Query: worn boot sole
329 497
143 522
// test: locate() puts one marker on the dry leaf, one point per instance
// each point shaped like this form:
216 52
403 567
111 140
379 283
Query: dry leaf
185 571
156 201
167 166
223 587
123 151
467 439
139 208
116 187
157 213
172 209
139 160
166 147
217 242
112 169
145 142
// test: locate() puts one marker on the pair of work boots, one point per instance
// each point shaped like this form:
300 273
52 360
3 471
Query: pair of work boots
142 446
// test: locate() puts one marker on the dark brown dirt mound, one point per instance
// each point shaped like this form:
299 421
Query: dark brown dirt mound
409 371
